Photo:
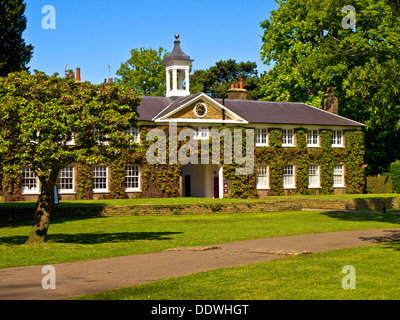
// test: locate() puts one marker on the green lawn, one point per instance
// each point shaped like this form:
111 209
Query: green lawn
313 277
128 202
174 201
95 238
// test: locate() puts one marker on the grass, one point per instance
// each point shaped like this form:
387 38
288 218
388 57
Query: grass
316 276
313 277
127 202
175 201
95 238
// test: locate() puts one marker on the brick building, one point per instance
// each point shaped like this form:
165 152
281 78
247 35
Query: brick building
297 148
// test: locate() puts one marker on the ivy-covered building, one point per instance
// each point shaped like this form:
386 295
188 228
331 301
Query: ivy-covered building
297 149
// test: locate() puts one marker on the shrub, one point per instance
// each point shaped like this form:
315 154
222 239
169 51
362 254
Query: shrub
395 174
379 184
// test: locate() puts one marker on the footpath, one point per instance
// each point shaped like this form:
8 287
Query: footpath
77 278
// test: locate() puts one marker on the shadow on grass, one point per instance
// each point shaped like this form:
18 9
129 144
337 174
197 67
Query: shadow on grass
94 238
390 236
364 216
53 221
391 239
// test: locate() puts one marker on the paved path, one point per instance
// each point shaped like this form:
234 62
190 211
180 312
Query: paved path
77 278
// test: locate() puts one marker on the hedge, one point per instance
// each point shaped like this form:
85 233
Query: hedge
395 174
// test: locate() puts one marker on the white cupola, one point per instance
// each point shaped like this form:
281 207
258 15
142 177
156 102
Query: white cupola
177 68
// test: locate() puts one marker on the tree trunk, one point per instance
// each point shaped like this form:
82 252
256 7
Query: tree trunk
43 212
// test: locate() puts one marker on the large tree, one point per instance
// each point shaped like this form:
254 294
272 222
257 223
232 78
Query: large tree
312 45
395 5
144 72
40 115
216 80
14 53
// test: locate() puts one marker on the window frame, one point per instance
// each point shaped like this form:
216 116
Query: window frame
311 138
100 190
32 176
316 174
60 177
335 139
264 175
260 135
286 137
341 175
287 175
199 131
135 132
131 176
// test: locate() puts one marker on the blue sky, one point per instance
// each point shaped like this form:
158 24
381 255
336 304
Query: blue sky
94 34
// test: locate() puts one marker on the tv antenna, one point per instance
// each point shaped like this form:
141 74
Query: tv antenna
109 71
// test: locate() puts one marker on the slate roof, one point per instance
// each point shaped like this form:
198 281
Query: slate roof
290 113
151 106
295 113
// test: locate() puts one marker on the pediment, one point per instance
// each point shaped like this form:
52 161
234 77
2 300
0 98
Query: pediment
201 108
190 112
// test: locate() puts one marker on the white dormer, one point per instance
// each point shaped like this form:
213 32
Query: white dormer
177 68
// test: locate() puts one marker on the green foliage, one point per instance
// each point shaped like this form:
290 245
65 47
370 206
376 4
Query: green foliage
276 163
326 161
144 72
14 53
395 5
163 180
355 161
311 51
11 185
217 79
302 162
85 184
302 157
395 174
88 239
379 184
40 114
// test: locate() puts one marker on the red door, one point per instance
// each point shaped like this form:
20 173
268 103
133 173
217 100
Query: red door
216 187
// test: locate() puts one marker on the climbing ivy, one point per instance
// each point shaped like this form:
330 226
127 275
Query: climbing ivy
302 162
326 161
164 180
355 161
85 183
11 184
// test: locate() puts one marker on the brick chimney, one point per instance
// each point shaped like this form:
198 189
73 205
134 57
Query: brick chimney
331 102
78 75
237 92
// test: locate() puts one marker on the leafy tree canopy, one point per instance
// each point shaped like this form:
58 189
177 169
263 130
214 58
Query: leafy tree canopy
40 115
144 72
311 47
395 5
216 80
14 53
